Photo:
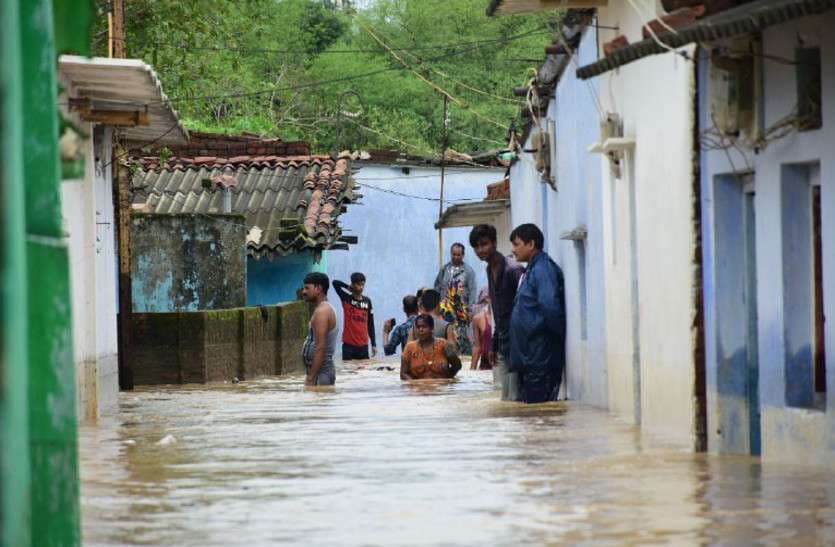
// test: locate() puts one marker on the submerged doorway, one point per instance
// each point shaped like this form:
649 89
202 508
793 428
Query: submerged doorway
737 374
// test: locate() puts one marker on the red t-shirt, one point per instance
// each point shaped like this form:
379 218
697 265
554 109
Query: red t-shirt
358 313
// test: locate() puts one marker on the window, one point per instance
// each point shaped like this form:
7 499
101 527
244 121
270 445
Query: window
820 346
802 248
808 75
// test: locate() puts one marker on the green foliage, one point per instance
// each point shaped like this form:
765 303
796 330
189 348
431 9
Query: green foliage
258 66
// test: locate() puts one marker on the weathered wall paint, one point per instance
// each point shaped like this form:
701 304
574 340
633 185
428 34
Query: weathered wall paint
15 486
187 262
577 203
269 282
789 434
398 244
53 459
649 216
218 345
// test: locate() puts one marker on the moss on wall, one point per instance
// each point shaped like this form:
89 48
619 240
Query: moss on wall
218 345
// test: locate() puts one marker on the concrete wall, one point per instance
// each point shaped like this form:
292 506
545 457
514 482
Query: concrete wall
651 271
88 217
577 203
188 262
218 345
781 170
398 244
277 280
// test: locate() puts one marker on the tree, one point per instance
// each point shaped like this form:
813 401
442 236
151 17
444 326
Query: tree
300 69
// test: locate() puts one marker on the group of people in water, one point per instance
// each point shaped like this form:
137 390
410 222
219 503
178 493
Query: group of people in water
515 326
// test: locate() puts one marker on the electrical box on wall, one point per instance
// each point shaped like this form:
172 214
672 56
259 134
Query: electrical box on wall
541 142
734 77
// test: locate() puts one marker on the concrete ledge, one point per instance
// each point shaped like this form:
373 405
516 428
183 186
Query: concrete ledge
218 345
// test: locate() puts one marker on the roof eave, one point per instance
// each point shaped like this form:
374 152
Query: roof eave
121 83
745 19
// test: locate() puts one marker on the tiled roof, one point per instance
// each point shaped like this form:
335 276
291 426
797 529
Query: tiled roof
290 203
748 18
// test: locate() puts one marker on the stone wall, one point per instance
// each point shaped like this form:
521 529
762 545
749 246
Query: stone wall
218 345
188 262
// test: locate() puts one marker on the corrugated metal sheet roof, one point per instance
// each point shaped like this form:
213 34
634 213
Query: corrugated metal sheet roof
117 84
470 214
745 19
289 205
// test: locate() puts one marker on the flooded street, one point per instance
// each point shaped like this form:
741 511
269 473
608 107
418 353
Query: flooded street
379 462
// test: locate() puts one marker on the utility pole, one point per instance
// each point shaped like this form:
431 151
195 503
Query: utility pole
121 179
119 29
444 147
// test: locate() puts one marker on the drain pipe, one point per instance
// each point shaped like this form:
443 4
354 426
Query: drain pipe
227 200
224 183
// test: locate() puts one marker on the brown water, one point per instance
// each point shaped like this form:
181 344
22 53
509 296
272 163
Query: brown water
380 462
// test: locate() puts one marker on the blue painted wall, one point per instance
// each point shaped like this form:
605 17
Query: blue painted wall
398 243
577 202
272 281
782 173
187 262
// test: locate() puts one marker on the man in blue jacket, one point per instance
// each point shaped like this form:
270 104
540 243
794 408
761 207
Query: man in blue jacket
537 325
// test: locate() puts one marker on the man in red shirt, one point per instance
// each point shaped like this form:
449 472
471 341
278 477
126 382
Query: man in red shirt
358 324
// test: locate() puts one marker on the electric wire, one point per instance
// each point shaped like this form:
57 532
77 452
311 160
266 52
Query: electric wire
654 36
318 83
451 45
430 83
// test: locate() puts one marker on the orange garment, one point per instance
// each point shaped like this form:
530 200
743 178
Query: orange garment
423 366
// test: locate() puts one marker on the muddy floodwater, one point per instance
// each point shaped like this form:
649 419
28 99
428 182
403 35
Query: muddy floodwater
380 462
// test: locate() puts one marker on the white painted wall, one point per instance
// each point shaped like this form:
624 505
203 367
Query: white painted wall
654 97
87 209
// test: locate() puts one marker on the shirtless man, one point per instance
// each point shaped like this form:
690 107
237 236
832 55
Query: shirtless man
320 344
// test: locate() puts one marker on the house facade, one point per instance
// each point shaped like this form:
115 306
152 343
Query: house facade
88 196
291 206
716 208
653 303
768 202
631 264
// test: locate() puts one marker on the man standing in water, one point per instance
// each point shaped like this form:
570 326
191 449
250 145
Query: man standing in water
457 286
399 335
358 325
320 344
537 325
503 276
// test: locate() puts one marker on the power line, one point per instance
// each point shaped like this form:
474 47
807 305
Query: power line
318 83
452 45
413 196
429 82
477 138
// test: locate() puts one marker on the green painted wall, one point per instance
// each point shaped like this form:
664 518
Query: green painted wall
14 448
38 453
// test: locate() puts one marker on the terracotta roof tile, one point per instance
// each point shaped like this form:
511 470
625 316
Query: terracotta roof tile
295 201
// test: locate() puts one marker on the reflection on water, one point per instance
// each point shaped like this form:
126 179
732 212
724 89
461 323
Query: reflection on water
377 461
